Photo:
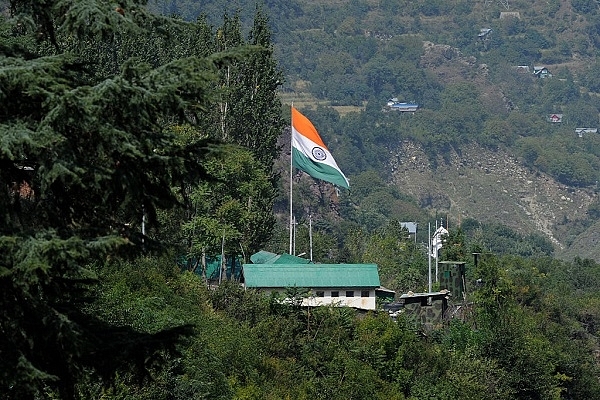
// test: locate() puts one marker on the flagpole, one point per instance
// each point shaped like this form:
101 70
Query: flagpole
436 265
436 252
429 254
294 237
310 235
291 166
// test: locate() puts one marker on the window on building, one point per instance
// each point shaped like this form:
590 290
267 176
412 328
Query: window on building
335 293
320 293
364 293
349 293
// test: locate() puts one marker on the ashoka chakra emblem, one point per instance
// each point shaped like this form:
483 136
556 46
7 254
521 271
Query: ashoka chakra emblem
319 154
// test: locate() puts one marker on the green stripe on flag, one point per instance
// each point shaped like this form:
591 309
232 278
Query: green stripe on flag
318 170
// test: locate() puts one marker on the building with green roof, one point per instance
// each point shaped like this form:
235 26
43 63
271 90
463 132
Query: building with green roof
351 285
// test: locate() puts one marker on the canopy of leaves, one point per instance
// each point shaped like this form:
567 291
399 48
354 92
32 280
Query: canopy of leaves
83 154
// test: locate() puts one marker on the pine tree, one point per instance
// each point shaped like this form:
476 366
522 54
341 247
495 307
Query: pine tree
83 156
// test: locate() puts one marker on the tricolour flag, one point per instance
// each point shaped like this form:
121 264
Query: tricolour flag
310 154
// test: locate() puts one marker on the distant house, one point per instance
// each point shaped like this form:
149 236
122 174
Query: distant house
581 131
483 33
411 227
510 14
395 105
542 72
554 118
351 285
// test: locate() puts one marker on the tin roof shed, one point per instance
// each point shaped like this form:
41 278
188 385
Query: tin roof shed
411 226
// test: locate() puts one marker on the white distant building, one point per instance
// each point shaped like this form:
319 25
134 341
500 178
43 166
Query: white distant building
581 131
395 105
411 227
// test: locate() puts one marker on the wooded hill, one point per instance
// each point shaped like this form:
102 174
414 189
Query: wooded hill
355 55
134 144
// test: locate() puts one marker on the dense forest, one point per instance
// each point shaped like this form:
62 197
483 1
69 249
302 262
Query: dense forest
136 141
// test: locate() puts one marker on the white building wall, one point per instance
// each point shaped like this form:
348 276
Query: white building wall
357 301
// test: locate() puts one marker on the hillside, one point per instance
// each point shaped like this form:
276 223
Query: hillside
491 186
494 187
480 146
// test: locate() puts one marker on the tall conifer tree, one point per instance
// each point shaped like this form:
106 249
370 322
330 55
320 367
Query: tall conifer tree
83 154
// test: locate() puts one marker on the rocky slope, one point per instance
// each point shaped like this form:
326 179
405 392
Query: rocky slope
493 186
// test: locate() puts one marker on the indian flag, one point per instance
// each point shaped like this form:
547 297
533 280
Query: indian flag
310 154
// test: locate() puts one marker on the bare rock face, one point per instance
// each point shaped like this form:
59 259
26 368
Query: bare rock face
492 186
437 54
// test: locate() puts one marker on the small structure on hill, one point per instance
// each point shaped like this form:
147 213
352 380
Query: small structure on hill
428 308
581 131
510 14
554 118
541 72
351 285
411 227
396 105
484 33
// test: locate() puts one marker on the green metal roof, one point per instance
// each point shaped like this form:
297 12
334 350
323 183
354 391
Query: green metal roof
266 257
310 275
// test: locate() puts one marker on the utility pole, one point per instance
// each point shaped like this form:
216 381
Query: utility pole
310 235
429 256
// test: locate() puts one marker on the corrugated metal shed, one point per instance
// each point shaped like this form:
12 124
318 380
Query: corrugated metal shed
411 226
311 275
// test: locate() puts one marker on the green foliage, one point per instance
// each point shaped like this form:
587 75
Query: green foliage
584 6
577 168
500 239
233 208
152 294
594 210
249 345
85 151
92 140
